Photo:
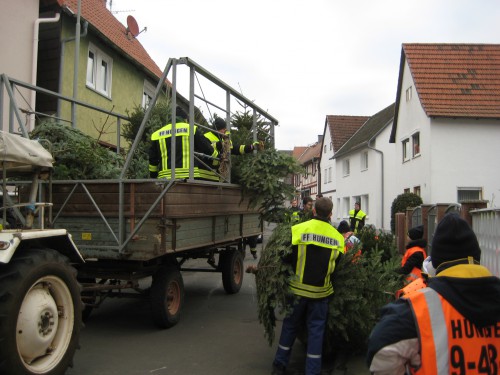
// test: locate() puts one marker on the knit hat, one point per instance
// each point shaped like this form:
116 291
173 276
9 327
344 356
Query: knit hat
219 123
454 239
179 112
343 227
416 233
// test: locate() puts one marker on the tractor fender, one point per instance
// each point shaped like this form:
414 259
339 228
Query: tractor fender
57 239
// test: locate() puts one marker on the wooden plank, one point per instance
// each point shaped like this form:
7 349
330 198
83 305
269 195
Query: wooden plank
182 200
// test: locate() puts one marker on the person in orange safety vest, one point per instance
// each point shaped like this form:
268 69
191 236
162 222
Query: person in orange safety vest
411 264
452 326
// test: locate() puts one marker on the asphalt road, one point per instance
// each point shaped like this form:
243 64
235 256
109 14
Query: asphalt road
217 334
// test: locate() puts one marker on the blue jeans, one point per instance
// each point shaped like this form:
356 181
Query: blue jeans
316 312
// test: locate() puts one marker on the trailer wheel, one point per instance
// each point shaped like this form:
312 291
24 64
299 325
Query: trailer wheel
40 313
231 264
167 297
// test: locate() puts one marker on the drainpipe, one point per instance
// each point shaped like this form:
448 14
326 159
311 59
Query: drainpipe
61 64
34 64
382 168
77 57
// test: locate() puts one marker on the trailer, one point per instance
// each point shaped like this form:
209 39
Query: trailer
82 241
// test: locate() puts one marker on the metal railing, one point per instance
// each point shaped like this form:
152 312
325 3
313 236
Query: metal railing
171 67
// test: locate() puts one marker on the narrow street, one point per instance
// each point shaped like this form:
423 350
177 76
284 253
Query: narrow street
218 334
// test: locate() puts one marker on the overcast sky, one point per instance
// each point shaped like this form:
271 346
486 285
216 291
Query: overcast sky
304 60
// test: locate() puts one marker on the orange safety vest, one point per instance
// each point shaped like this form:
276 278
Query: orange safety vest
415 272
449 343
417 284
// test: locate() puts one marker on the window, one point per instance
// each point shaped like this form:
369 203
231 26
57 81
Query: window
99 68
324 149
331 146
415 138
90 69
347 167
416 190
346 207
408 94
364 161
147 95
406 150
330 174
469 193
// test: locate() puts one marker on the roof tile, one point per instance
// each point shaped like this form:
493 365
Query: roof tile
456 80
343 127
96 13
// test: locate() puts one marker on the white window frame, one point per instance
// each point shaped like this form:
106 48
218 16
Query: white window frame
364 161
346 206
147 94
409 93
406 149
469 190
346 167
415 140
95 80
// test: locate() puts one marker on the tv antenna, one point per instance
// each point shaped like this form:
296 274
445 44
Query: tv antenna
118 11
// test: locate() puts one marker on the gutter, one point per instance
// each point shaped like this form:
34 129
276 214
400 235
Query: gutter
34 64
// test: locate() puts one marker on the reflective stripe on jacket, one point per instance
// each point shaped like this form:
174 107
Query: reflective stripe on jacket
315 247
416 272
449 343
213 138
357 216
182 150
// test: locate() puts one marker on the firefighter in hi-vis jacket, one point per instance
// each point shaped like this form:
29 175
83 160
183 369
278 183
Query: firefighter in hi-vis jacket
316 245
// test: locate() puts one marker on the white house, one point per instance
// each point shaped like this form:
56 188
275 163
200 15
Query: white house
19 45
447 123
338 129
365 171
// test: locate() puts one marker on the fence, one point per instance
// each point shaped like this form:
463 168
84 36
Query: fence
485 223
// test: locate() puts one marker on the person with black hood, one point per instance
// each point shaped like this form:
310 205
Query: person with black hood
411 264
450 327
219 135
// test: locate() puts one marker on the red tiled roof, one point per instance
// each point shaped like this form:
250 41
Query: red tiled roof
456 80
310 153
298 151
97 15
343 127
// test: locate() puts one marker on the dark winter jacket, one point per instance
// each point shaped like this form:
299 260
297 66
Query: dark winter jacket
394 340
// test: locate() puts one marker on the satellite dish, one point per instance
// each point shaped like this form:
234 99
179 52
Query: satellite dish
132 26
